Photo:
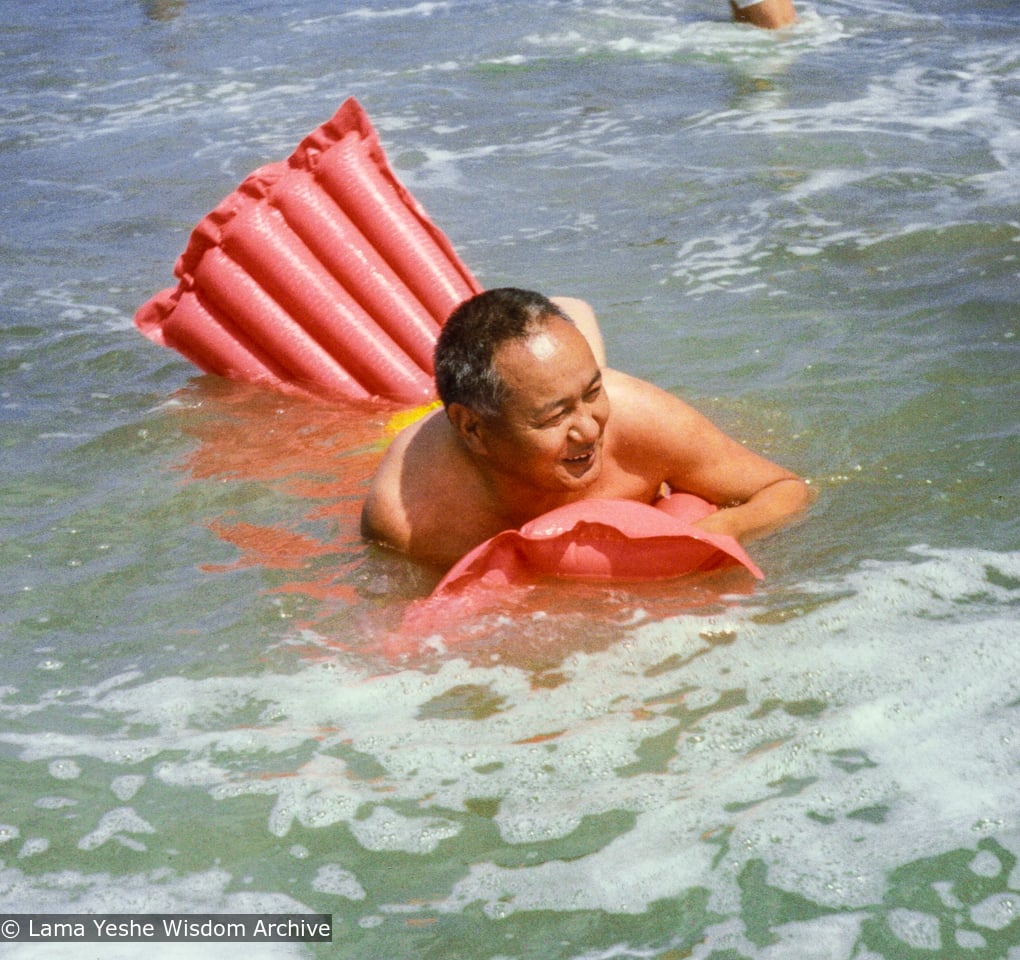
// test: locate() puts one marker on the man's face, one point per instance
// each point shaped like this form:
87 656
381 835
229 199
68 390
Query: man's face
549 433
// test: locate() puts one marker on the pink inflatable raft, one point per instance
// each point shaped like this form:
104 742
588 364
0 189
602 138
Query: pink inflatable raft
321 275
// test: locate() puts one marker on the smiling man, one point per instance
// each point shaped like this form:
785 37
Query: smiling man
533 419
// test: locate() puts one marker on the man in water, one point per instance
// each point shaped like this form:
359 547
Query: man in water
533 419
770 14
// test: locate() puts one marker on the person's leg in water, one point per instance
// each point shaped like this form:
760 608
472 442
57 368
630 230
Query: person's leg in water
769 14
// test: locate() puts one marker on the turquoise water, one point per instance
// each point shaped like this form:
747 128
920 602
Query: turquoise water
814 237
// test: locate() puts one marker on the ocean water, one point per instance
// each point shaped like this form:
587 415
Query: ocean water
813 236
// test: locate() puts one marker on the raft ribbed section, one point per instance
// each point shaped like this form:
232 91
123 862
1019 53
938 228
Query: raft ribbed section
319 274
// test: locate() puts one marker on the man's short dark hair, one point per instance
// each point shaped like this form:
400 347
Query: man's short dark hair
465 353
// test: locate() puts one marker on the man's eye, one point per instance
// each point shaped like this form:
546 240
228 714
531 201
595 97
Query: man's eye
554 419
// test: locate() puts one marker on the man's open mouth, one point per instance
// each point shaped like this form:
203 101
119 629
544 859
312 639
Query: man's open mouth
580 459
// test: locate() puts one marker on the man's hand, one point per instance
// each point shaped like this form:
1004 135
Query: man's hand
769 509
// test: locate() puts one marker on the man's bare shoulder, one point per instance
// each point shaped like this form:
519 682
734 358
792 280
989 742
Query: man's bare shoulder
642 410
382 519
422 495
388 511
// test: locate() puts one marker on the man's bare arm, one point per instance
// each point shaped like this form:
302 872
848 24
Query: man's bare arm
755 495
772 507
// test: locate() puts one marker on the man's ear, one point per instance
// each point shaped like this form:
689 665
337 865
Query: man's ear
469 427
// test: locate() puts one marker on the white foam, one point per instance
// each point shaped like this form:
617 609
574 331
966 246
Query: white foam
334 879
157 891
54 803
115 825
8 832
384 829
832 745
33 846
64 770
424 9
920 931
126 786
637 32
997 911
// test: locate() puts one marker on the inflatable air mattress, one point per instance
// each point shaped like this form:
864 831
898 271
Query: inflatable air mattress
320 274
601 540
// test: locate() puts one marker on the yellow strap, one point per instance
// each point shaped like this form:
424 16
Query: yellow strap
405 418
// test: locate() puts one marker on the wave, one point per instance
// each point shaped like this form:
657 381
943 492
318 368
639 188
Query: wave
832 735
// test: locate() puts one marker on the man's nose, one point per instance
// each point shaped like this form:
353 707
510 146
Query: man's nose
585 428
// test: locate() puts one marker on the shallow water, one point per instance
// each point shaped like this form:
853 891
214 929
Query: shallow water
812 236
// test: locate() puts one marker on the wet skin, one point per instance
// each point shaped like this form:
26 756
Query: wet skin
567 431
